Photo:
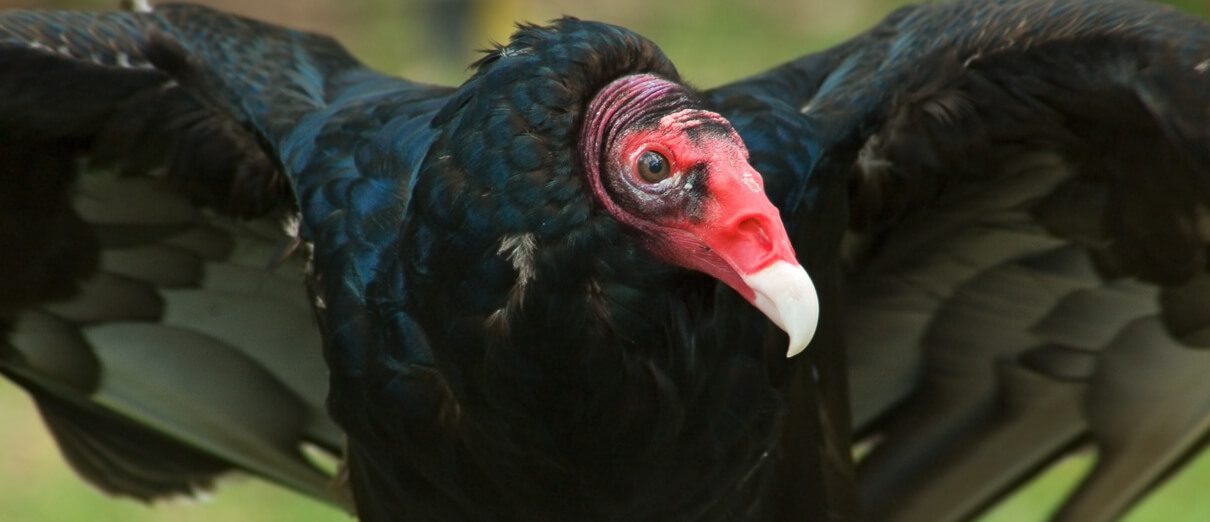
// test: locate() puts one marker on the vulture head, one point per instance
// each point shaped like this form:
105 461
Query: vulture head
678 175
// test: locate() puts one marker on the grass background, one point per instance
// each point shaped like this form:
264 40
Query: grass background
711 42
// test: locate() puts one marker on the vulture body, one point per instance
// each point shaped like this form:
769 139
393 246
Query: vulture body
564 290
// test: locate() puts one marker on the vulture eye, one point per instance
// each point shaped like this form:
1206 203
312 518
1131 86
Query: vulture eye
653 166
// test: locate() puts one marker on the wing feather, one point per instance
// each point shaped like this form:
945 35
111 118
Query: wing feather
1027 186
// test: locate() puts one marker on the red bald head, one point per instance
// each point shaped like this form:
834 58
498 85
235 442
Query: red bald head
679 175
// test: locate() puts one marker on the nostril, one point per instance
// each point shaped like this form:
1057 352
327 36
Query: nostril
753 227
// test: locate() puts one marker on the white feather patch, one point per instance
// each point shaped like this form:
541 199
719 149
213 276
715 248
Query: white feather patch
138 6
519 250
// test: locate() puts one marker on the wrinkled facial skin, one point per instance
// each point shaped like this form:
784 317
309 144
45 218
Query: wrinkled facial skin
679 174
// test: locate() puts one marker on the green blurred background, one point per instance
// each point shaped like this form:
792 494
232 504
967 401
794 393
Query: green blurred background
711 42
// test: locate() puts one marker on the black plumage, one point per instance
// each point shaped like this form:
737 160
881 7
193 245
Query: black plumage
1001 203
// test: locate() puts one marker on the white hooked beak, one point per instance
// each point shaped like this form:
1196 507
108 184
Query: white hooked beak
785 294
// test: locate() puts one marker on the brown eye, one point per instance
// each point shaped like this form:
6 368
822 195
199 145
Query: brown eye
653 166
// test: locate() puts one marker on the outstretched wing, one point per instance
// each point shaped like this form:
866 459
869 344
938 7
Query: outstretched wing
157 311
1023 191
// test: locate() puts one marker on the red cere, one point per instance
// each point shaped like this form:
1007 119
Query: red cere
741 224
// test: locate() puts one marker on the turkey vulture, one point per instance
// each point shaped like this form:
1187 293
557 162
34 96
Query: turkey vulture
573 287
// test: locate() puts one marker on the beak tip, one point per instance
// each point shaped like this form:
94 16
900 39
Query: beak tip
801 332
785 293
796 346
